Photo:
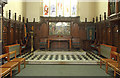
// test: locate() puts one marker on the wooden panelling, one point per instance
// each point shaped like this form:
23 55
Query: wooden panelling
11 36
10 48
16 35
108 31
78 33
97 32
108 36
43 42
115 36
59 45
1 47
86 44
83 32
119 35
104 34
4 35
13 32
76 43
75 30
44 30
37 36
100 32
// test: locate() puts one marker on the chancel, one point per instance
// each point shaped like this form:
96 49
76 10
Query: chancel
59 38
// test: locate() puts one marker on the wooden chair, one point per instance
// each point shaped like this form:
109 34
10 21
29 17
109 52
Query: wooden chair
114 65
5 71
20 60
9 64
103 60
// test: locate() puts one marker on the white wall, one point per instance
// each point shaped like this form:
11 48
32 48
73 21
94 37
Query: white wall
35 9
101 7
86 10
18 7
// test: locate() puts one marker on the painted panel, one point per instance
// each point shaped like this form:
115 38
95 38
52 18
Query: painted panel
59 28
90 33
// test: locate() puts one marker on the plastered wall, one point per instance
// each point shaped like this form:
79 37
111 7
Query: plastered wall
18 7
35 9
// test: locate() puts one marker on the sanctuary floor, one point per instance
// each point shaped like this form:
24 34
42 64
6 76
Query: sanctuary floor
83 71
61 57
62 70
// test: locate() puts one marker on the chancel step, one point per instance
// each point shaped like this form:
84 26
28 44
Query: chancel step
61 58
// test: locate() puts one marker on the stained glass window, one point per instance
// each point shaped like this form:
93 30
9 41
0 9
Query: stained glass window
45 7
73 7
59 7
52 7
66 8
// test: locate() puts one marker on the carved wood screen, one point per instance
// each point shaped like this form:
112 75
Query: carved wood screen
4 36
108 35
75 30
11 35
78 32
115 36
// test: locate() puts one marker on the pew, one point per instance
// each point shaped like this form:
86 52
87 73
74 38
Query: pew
9 64
114 65
5 71
104 60
11 48
20 60
105 50
116 71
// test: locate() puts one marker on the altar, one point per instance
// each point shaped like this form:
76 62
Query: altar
59 38
60 34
